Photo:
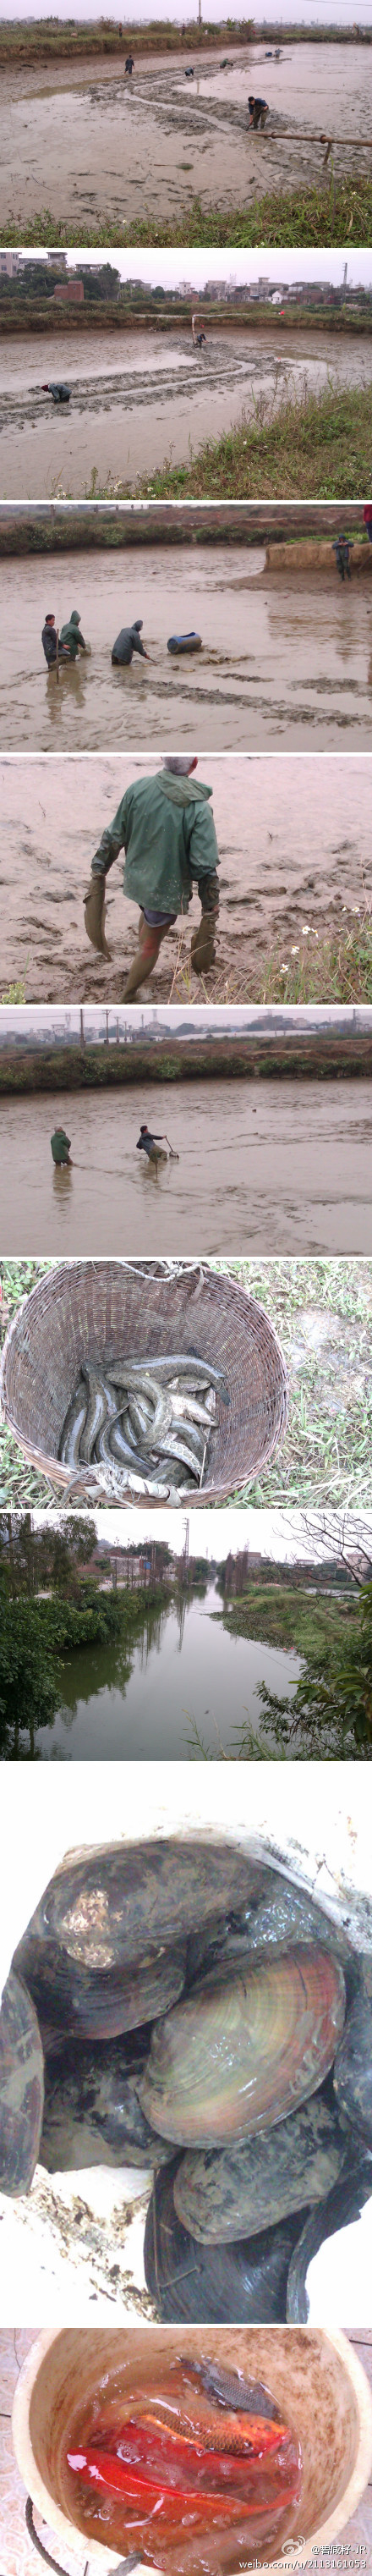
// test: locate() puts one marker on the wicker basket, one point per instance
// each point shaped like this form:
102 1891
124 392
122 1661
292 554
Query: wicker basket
95 1310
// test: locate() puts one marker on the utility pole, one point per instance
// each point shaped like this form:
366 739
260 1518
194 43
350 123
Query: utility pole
82 1029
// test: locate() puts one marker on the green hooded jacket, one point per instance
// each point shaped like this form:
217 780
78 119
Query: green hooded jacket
166 828
69 634
60 1144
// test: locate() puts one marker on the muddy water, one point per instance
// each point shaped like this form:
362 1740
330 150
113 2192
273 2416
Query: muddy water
137 400
185 1668
264 1167
285 656
271 881
87 143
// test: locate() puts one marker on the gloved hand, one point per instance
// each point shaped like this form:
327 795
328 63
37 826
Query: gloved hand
94 909
202 943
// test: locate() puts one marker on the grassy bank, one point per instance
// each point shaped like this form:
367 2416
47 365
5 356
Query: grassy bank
281 1617
317 1055
318 446
37 1638
48 40
340 211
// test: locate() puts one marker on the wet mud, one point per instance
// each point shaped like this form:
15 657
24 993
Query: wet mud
263 1168
271 881
286 660
138 400
91 146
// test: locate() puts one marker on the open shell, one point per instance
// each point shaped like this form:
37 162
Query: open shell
238 2054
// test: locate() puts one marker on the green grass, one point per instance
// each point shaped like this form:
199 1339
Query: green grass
311 217
280 1616
20 1486
324 1460
337 969
317 446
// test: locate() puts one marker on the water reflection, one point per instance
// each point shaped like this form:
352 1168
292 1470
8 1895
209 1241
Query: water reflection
142 1702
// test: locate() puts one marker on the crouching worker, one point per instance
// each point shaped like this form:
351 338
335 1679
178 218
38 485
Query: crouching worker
167 831
129 642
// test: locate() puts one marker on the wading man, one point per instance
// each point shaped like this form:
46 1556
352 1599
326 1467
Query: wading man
60 1144
165 826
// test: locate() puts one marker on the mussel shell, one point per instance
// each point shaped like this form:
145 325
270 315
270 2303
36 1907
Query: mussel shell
21 2089
100 2006
119 1904
241 2051
242 2284
343 2205
236 2191
353 2068
92 2115
288 1916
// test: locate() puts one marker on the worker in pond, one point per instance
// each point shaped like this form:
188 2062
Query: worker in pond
258 111
129 642
59 393
165 826
200 335
151 1143
341 548
60 1144
129 64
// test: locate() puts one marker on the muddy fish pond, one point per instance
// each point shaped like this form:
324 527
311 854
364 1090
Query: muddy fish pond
138 398
55 811
285 659
117 149
264 1166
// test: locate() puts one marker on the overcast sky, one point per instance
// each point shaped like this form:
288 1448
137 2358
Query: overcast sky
44 1016
303 13
281 1535
172 267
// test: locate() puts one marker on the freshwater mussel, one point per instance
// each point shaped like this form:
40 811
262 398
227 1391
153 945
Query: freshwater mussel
244 2283
245 2047
21 2088
192 2006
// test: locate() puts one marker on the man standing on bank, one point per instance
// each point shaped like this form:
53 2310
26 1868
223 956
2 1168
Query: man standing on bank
167 831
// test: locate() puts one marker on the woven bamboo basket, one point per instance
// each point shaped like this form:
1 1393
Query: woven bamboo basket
104 1310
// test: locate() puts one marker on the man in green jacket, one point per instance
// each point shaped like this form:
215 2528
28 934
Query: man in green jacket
165 826
70 638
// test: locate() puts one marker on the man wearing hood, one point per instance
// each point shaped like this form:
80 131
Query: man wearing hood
129 642
165 826
70 639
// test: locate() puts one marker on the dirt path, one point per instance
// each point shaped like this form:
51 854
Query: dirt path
54 812
92 146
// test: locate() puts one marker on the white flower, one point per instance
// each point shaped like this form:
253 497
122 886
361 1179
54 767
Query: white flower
295 951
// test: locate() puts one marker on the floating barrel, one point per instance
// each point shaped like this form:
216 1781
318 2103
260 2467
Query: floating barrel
184 643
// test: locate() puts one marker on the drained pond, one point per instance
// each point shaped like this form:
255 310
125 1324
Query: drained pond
82 137
138 398
143 1702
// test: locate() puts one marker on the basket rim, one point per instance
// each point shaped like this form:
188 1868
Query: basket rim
66 1479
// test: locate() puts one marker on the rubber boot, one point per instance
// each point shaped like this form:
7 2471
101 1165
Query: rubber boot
202 944
145 958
